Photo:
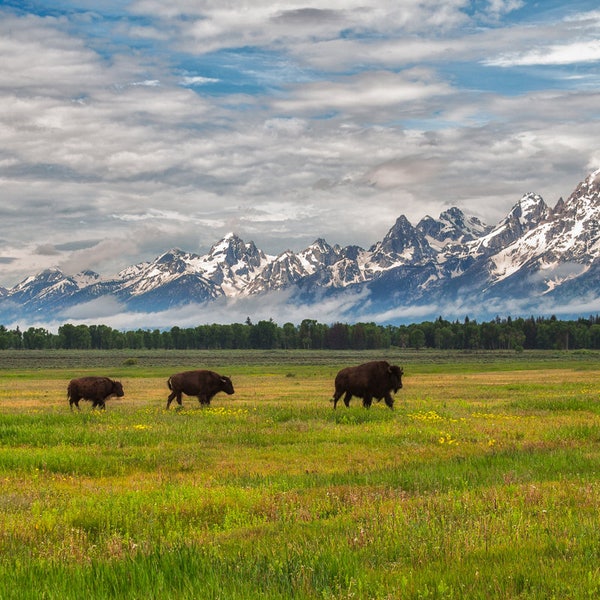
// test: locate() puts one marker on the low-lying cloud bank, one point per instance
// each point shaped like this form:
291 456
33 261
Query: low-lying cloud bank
281 308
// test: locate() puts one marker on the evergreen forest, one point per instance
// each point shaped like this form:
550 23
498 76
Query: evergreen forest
498 334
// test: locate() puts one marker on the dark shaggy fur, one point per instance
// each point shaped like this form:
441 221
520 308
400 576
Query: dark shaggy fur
94 389
370 380
201 383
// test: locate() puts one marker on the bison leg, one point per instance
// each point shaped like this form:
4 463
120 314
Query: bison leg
172 396
367 401
74 401
389 400
204 400
336 397
347 399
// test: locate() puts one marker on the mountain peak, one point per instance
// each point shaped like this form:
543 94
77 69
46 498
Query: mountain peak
228 240
321 244
528 213
530 210
589 189
594 178
582 208
232 250
49 284
231 243
319 253
174 260
169 255
403 244
49 275
452 227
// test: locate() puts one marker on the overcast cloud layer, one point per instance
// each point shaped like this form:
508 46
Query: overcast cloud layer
132 127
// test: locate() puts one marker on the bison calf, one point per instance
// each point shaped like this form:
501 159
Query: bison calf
200 383
370 380
94 389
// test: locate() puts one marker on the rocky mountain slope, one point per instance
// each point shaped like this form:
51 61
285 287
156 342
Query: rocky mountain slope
536 256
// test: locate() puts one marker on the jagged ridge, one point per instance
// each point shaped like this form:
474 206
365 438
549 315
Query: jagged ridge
532 253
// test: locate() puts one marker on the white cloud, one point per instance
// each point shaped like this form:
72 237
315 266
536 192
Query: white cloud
197 80
147 83
498 7
95 311
366 92
97 256
38 56
278 306
560 54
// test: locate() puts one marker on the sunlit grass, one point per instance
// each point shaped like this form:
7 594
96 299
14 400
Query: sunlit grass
481 483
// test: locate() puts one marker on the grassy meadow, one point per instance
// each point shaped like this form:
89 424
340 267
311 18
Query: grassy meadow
484 482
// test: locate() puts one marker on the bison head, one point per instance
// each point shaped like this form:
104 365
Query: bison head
118 389
396 377
226 385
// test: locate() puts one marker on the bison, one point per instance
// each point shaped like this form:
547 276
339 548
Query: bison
95 389
201 383
376 379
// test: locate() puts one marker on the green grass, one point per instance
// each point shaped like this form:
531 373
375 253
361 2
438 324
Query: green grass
482 483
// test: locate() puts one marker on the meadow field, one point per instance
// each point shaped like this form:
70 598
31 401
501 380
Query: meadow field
483 482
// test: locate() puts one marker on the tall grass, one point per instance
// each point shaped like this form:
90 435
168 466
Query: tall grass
483 482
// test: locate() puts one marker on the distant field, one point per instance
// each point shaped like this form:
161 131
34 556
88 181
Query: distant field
121 361
482 483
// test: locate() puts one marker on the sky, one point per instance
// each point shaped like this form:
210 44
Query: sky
131 127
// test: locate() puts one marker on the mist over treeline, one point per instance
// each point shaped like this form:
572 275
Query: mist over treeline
498 334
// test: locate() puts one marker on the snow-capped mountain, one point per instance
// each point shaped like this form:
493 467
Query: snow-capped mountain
532 255
403 245
48 290
232 264
530 212
559 255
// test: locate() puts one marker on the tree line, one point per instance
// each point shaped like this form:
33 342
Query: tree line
498 334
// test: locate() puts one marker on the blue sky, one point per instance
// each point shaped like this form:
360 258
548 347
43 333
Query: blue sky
132 127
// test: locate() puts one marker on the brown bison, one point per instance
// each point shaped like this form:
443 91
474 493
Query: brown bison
370 380
95 389
200 383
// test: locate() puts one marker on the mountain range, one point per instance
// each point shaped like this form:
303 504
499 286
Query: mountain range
534 259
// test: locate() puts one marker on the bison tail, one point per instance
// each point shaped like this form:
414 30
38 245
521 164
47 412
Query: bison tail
169 384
